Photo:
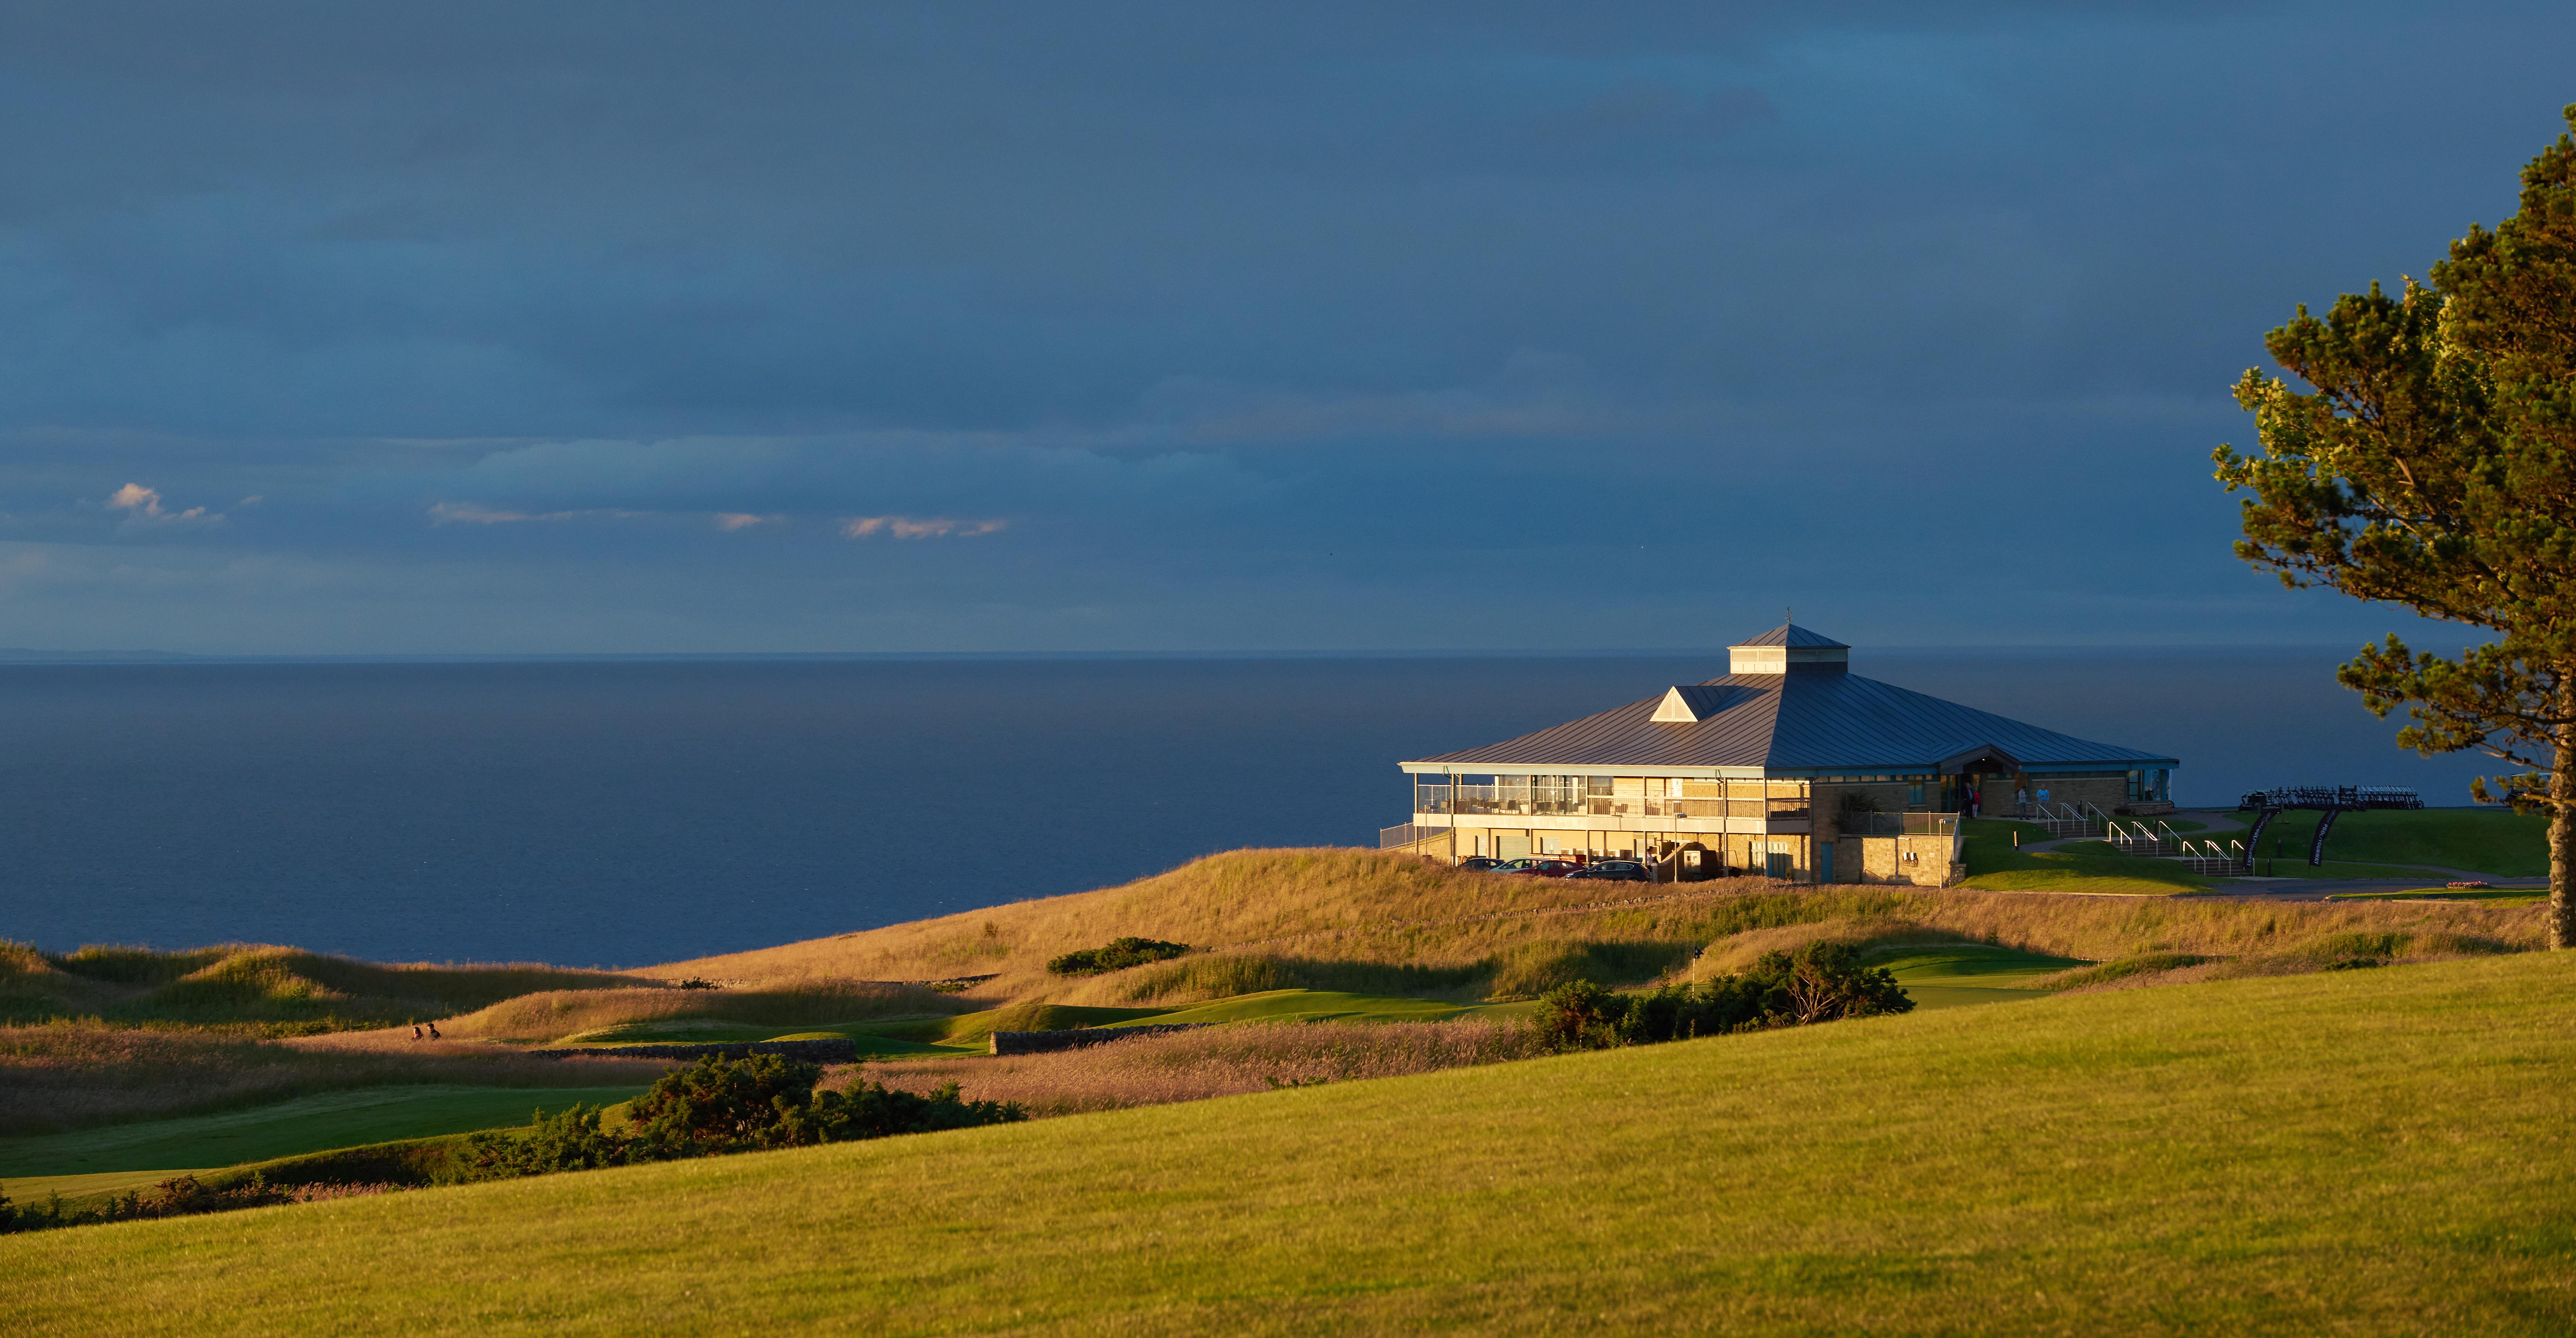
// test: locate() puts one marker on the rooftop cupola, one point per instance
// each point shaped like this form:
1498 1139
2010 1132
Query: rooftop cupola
1789 649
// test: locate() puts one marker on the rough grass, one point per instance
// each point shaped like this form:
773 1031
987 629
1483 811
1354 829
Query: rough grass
1351 908
64 1075
2368 1152
554 1015
261 989
2492 841
1219 1061
2103 929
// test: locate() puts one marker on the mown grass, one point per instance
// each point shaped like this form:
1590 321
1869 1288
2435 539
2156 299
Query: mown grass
2489 840
32 1167
1995 864
1959 975
63 1076
2358 1152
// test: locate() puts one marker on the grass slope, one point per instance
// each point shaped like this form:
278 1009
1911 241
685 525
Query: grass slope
2483 840
310 1124
128 1156
259 989
1996 865
1957 975
2357 1152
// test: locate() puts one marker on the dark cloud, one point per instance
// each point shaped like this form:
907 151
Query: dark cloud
1313 325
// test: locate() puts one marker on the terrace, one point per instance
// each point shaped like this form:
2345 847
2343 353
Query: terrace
1608 797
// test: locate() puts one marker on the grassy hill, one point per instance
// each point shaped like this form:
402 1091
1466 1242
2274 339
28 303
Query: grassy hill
261 989
1365 923
2352 1152
2491 841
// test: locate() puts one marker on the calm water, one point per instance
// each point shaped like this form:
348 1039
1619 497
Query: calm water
626 813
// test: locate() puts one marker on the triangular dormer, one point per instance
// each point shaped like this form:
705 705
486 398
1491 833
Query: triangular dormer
1688 706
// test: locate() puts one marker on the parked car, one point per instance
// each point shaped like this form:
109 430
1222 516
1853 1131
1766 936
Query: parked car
1544 868
1613 871
1480 864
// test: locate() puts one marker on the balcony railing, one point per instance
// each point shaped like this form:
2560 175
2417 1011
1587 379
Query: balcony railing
1899 824
1542 801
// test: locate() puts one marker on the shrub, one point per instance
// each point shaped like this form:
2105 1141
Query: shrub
567 1141
1819 983
718 1106
1118 956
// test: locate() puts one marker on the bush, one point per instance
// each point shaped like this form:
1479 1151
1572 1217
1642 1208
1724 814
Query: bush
568 1141
1118 956
1818 983
718 1106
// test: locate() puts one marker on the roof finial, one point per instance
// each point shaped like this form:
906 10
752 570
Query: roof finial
1788 614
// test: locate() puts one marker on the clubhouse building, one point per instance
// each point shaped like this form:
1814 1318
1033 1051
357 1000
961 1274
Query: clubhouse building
1790 765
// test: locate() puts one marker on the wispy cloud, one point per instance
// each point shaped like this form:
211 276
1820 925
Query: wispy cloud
730 521
142 506
919 527
467 513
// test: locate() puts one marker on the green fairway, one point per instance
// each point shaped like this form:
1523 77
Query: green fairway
1955 975
2483 840
1329 1005
2356 1152
30 1166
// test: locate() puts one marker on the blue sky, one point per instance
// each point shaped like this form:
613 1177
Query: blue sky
649 328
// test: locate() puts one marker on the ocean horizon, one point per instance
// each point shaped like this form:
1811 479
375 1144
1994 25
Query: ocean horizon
620 811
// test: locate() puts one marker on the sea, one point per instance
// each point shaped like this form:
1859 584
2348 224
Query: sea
632 811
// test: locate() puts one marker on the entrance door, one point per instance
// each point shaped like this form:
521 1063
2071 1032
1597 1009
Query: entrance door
1824 862
1776 863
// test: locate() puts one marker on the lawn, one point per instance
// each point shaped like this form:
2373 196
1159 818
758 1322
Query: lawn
1996 865
2483 840
1955 975
124 1155
2355 1152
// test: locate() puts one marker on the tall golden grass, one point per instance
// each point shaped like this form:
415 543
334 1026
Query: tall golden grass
2108 928
70 1075
1318 905
1217 1061
261 986
1377 923
535 1019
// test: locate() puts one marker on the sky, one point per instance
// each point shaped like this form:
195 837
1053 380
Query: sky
645 328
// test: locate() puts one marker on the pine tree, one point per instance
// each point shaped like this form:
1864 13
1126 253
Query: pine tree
2432 463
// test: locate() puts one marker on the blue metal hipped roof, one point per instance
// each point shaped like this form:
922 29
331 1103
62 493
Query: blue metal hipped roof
1797 721
1791 634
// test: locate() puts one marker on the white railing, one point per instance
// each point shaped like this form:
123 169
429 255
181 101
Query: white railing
2064 821
1409 834
2138 839
2208 857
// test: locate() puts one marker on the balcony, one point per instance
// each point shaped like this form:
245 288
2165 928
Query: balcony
1543 801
